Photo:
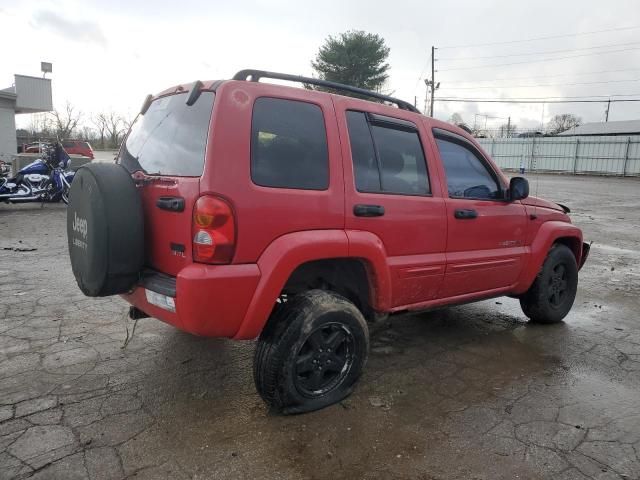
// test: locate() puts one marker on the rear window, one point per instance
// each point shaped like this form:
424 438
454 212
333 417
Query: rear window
387 156
170 138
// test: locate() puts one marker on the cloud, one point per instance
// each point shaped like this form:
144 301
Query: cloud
71 29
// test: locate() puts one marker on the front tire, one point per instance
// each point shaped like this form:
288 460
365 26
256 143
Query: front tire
311 352
551 296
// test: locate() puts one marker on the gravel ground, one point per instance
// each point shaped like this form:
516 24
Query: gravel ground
470 392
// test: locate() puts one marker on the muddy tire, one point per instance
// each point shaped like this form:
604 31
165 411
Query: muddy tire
551 296
311 352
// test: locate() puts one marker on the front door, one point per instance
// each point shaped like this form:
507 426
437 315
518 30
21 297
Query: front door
486 234
388 192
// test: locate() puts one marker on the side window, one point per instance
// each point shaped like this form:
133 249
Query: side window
386 159
288 145
467 175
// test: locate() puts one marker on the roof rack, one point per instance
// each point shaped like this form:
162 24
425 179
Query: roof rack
256 75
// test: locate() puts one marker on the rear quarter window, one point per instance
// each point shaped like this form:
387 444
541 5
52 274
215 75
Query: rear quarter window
289 145
170 138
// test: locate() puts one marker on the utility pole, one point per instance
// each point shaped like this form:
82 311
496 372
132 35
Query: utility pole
508 127
432 86
606 115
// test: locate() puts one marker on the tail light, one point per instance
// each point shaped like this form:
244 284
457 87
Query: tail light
214 231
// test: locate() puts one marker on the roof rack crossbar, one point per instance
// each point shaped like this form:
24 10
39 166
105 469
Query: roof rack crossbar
256 75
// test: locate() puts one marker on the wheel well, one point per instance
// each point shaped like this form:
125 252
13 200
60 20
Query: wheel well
345 276
573 244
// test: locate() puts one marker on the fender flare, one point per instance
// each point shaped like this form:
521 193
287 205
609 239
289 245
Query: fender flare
548 234
369 248
279 260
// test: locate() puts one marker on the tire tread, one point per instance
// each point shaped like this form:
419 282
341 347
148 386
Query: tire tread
283 329
533 304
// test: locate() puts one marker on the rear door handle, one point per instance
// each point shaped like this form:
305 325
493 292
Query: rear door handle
368 210
465 214
173 204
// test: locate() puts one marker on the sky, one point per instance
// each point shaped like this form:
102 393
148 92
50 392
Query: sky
108 55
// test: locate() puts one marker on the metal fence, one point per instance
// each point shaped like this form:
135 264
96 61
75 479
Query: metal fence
601 155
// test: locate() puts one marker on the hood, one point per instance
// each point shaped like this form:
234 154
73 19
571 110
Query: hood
540 202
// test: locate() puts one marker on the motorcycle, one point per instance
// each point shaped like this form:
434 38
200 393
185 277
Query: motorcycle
4 168
44 180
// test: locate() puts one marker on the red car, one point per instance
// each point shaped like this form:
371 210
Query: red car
72 147
34 147
78 147
246 210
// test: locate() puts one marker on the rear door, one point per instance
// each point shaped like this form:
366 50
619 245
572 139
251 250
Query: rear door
486 234
389 192
166 147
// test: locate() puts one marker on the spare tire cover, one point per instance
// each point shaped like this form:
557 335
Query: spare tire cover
105 230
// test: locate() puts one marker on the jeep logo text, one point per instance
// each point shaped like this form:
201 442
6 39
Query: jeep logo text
80 225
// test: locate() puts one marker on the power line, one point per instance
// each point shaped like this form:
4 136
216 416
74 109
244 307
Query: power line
528 77
610 45
576 96
543 85
493 100
539 61
420 76
542 38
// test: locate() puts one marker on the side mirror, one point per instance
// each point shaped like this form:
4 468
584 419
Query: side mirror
518 188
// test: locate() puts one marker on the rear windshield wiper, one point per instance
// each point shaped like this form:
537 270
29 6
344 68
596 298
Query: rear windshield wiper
195 92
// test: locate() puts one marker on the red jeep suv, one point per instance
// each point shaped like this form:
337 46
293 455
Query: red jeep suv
245 209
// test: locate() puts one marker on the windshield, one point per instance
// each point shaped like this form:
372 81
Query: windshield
170 138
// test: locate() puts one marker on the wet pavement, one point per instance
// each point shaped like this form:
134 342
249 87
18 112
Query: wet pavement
470 392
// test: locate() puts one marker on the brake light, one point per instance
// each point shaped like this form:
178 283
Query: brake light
214 231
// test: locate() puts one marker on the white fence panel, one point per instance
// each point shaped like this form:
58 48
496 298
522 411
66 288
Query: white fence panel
606 155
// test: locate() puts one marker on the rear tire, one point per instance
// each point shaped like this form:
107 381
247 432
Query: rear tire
311 352
551 296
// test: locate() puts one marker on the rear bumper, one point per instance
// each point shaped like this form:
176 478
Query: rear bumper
210 301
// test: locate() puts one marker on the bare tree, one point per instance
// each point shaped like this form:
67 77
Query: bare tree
563 122
127 124
87 133
507 130
66 121
99 121
456 119
114 128
40 125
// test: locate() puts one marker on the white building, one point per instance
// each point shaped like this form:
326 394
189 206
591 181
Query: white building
27 95
624 127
